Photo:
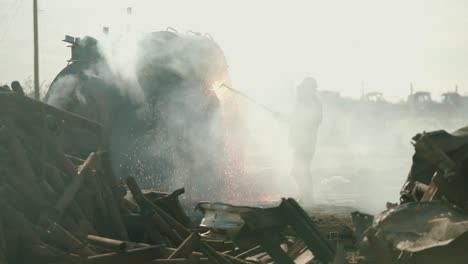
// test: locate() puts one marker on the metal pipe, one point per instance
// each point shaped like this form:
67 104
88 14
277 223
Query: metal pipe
253 101
36 52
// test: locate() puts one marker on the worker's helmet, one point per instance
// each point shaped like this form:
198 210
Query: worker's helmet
309 83
307 88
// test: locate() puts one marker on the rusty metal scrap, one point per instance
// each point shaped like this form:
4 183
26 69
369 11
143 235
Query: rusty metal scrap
415 230
431 223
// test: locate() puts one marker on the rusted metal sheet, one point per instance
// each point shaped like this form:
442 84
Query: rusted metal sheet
416 228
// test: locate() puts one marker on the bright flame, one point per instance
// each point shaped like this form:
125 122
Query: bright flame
217 89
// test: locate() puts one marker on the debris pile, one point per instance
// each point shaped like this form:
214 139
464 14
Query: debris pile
430 225
57 208
60 209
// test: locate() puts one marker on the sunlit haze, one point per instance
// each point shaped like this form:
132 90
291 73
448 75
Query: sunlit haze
349 46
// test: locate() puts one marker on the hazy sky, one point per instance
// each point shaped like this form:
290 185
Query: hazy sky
270 45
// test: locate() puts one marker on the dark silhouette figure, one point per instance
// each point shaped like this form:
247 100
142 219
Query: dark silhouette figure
304 125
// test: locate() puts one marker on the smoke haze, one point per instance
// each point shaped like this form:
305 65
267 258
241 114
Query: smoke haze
348 46
272 45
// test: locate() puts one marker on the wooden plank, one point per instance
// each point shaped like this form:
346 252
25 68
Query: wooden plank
186 247
182 261
271 242
134 256
250 252
308 231
30 104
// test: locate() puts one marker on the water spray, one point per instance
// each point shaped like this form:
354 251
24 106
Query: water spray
248 98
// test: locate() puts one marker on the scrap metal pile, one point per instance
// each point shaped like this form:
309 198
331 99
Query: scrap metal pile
60 209
430 225
57 208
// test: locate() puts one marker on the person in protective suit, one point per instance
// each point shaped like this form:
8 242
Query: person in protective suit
304 123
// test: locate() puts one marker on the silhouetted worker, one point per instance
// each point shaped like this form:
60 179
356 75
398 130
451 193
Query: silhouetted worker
304 123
